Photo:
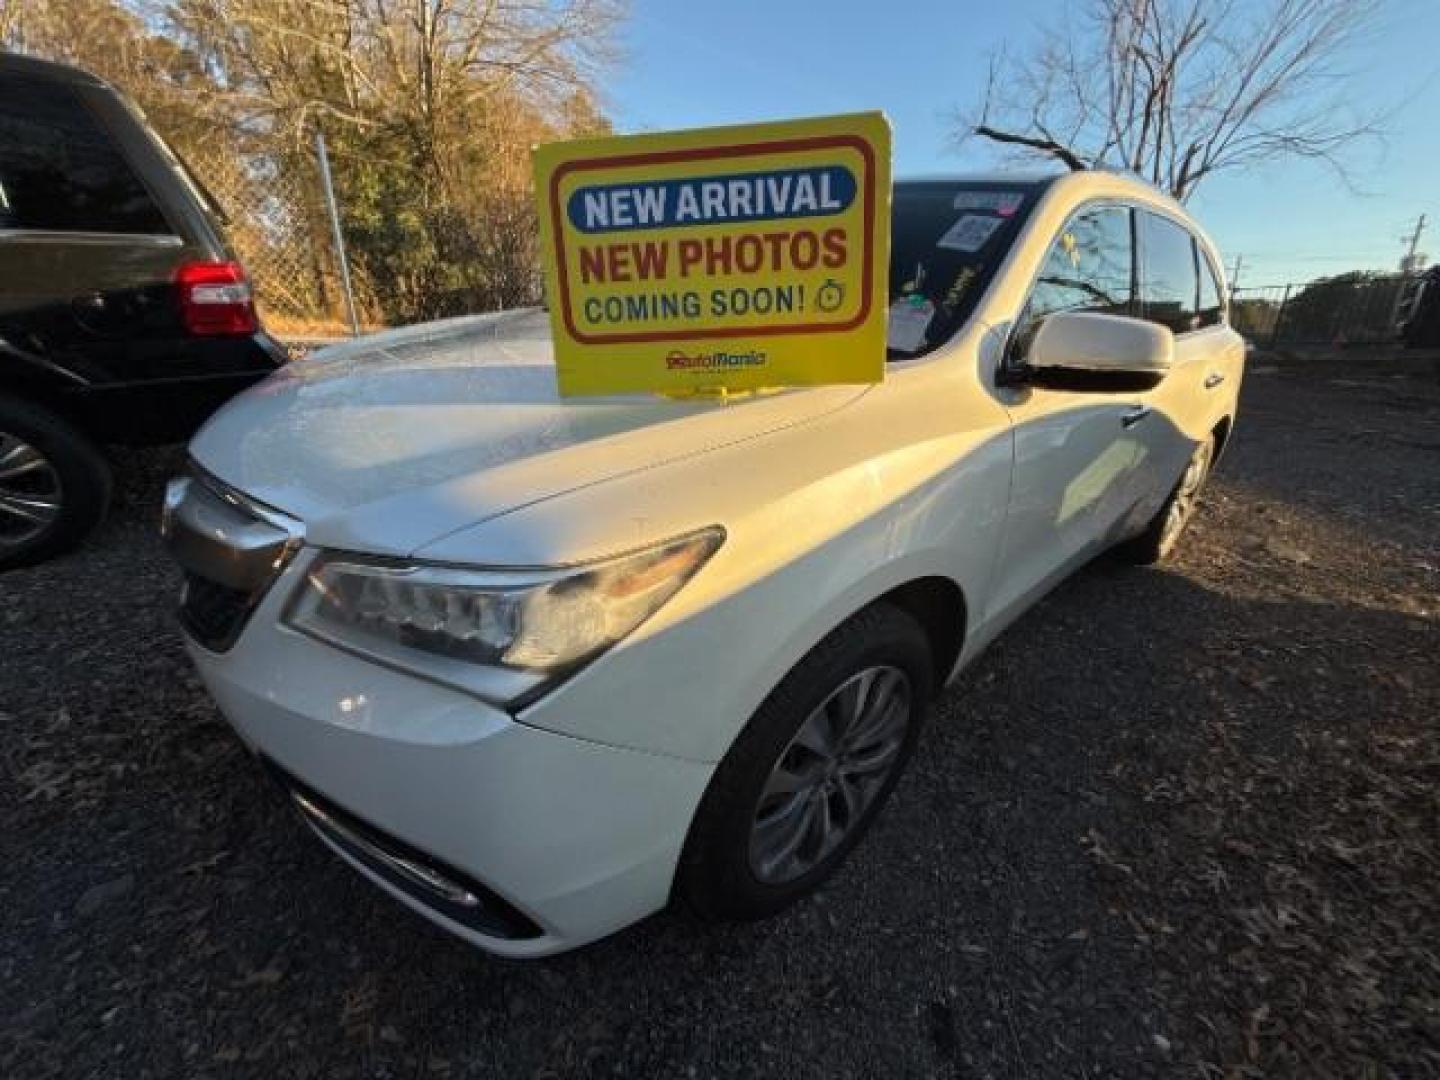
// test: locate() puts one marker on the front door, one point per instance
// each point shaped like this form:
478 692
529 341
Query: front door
1075 450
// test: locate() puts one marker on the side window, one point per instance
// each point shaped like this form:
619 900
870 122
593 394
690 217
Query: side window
59 169
1212 307
1090 267
1169 285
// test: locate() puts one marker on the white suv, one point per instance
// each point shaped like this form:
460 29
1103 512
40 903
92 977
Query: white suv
538 665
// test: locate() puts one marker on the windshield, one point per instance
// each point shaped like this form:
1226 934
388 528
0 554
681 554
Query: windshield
946 241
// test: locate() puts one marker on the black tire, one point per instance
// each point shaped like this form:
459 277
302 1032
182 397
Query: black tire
1160 537
716 879
82 476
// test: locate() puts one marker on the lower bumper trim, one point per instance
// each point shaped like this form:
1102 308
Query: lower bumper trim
429 881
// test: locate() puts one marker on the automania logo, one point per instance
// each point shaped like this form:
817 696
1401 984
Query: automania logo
676 360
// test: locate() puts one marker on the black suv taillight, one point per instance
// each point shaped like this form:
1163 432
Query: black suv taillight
215 299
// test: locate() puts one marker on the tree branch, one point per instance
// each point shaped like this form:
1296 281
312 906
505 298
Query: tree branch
1177 90
1048 146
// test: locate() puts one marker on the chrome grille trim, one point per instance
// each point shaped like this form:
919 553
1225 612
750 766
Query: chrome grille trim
231 547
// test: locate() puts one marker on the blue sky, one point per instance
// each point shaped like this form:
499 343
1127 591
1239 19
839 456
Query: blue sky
691 64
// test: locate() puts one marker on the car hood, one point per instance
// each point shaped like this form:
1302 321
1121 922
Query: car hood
392 441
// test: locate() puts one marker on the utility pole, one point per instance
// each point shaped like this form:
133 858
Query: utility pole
329 188
1235 275
1408 291
1411 262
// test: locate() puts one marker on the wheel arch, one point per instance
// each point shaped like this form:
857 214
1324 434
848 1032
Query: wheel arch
40 392
938 605
1221 434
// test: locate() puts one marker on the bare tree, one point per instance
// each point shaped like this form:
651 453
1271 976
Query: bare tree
1177 90
419 64
430 108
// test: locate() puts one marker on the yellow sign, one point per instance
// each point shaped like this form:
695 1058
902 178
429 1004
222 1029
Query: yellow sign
723 259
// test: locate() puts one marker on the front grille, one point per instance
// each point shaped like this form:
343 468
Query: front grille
231 548
214 614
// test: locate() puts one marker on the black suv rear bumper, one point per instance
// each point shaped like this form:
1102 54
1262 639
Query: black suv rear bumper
154 412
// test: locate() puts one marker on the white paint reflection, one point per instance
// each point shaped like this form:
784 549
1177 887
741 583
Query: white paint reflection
1088 487
353 711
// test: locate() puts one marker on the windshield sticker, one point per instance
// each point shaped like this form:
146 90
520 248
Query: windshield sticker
1003 203
909 318
916 283
958 290
969 233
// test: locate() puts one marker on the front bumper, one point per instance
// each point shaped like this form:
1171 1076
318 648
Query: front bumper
577 837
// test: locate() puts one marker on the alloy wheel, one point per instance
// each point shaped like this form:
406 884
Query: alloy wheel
30 492
1187 496
829 774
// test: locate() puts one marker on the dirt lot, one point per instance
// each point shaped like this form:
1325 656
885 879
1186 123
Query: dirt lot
1180 822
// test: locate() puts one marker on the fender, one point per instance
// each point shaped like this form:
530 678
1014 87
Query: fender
772 592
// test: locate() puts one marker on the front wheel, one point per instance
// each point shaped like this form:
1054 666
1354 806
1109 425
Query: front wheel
1163 533
810 771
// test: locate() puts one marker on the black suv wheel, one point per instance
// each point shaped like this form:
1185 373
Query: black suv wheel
54 484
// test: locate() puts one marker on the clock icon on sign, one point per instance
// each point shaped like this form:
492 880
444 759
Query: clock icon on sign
830 296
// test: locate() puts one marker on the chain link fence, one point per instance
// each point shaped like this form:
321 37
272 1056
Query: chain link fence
1356 310
276 221
450 264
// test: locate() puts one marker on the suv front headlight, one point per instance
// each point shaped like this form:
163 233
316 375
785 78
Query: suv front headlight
503 635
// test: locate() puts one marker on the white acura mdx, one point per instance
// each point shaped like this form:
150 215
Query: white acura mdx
537 666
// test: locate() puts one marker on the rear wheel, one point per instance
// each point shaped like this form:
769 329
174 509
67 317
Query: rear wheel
54 484
810 771
1163 533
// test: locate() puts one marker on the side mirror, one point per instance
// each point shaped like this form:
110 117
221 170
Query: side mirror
1079 349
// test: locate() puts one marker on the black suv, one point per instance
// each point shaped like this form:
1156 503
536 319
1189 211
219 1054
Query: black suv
124 317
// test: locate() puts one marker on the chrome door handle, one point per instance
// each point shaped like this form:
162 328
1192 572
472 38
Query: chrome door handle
1213 380
1134 416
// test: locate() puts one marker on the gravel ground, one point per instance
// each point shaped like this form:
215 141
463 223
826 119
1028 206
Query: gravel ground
1177 822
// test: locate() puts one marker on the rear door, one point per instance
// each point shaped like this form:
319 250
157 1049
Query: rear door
1172 269
87 252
